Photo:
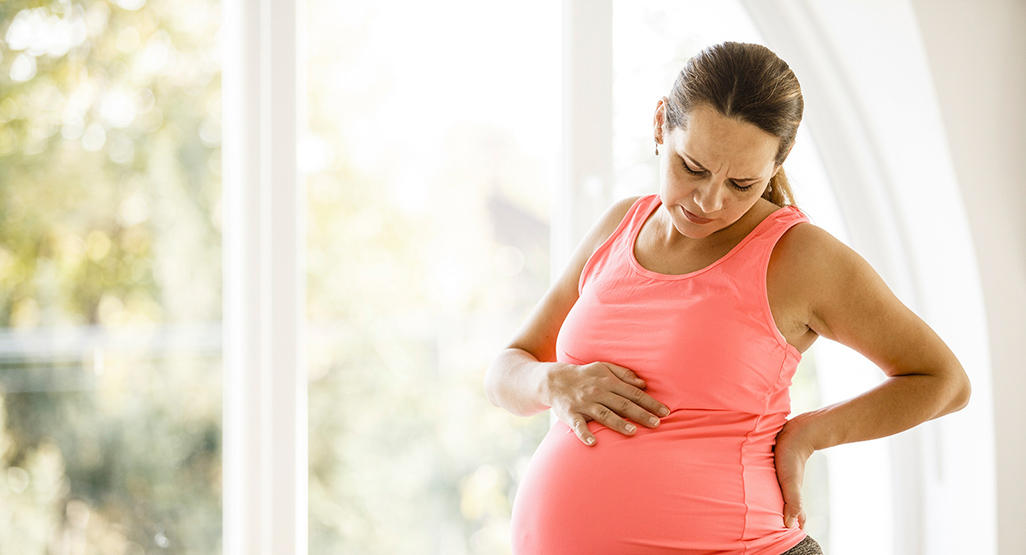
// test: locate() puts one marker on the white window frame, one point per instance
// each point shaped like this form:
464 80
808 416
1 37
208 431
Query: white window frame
265 460
265 386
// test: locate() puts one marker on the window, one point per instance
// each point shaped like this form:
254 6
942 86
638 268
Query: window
430 157
110 376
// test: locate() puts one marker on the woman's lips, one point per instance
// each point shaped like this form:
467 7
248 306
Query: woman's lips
694 218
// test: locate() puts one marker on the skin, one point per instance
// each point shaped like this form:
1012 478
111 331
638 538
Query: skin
727 149
833 293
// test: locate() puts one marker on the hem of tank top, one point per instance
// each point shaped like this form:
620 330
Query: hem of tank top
632 238
805 534
627 217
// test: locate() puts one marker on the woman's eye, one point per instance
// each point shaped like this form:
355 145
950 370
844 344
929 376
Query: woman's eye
735 185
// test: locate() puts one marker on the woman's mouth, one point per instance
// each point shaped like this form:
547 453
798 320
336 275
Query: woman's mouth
694 218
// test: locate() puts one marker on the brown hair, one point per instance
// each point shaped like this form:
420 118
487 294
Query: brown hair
749 83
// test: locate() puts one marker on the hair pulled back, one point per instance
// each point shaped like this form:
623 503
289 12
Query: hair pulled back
749 83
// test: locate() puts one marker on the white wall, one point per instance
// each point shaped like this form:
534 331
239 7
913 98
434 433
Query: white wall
872 109
908 127
977 52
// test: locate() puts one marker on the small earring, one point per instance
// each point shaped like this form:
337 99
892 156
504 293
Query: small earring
657 148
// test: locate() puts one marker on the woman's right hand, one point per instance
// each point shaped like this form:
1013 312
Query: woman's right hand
601 391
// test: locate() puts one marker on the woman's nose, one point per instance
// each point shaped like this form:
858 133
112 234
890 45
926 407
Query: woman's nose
709 197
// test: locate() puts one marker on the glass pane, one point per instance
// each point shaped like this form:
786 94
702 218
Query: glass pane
110 355
430 156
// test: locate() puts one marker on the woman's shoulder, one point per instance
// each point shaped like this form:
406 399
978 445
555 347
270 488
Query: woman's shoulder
807 256
807 241
622 206
606 224
803 244
613 216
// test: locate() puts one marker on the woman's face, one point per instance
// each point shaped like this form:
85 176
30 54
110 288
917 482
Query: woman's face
722 153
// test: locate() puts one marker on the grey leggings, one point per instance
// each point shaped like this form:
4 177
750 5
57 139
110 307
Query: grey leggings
807 546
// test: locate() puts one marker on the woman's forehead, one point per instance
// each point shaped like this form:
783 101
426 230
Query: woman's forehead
744 146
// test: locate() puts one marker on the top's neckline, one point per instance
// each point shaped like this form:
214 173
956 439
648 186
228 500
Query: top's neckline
657 275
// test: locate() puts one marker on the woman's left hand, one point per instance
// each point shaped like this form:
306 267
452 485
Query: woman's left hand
791 451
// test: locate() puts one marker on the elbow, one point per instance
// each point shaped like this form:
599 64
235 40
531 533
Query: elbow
958 381
488 385
967 392
492 384
964 394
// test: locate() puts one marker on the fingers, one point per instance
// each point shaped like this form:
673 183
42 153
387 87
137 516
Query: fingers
633 379
601 414
618 404
630 385
641 406
793 516
625 374
580 428
619 413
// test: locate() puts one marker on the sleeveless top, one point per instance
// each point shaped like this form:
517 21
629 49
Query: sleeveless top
705 342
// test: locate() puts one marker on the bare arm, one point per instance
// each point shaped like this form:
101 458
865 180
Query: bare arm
525 377
514 378
851 304
522 376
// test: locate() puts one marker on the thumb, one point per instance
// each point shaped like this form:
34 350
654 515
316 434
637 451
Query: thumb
790 471
792 504
793 514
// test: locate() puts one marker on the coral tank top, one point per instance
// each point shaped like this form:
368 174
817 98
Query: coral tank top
705 342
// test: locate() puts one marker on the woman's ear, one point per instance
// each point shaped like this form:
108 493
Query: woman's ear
659 119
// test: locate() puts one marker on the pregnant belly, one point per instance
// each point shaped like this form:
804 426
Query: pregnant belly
699 483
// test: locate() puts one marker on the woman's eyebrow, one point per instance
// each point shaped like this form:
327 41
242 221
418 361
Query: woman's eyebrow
695 162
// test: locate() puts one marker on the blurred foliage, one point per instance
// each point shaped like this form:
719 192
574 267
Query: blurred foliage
109 192
109 220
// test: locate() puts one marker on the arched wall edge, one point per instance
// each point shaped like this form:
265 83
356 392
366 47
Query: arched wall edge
941 467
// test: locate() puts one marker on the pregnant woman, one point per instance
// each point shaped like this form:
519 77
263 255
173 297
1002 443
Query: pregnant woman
687 312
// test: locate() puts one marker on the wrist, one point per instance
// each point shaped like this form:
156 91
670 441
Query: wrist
544 374
802 429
